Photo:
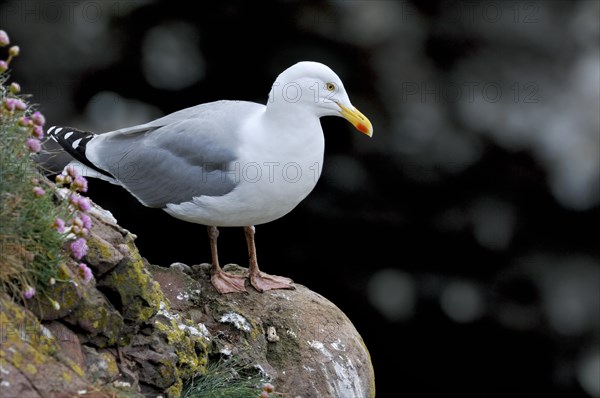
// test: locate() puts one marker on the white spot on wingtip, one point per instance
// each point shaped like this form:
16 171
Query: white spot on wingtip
75 143
67 135
58 130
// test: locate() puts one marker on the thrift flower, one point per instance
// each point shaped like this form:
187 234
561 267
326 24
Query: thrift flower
3 66
54 304
38 132
71 172
4 40
79 228
29 292
80 184
24 121
74 199
34 145
59 224
38 191
87 221
268 387
14 51
84 204
264 394
15 88
78 222
38 118
20 105
85 272
79 248
60 179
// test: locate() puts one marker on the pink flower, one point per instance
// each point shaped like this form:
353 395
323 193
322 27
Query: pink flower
14 103
72 172
80 202
85 272
84 204
79 248
81 225
3 66
29 292
34 145
38 132
4 40
24 121
38 191
20 105
74 199
78 222
9 103
80 184
268 387
59 224
38 118
87 221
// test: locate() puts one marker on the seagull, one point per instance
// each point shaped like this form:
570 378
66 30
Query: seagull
225 163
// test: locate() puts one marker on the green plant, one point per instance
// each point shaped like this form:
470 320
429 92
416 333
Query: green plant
33 233
228 379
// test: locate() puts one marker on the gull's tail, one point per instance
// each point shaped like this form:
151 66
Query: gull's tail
74 142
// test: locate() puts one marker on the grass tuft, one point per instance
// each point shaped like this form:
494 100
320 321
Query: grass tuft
226 379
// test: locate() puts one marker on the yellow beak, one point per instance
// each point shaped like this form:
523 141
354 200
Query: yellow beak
357 119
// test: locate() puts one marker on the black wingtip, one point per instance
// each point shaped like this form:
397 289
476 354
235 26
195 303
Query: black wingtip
75 142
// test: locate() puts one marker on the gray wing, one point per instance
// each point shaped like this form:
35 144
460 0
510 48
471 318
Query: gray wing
181 156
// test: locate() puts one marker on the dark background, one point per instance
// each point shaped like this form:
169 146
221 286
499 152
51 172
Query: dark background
459 239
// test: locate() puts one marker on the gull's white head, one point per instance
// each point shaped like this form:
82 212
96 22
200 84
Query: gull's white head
314 86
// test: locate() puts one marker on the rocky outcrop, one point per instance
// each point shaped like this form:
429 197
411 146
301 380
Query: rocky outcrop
107 337
140 330
298 338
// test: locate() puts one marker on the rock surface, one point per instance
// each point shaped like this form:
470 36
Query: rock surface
107 338
299 338
140 330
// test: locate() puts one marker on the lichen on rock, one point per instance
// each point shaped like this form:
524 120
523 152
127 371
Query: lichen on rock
142 329
31 358
130 285
317 352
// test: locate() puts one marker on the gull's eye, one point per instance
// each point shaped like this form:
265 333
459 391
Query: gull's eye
330 86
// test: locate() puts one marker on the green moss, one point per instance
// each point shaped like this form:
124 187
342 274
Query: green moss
140 296
102 256
111 364
175 390
67 294
283 352
184 346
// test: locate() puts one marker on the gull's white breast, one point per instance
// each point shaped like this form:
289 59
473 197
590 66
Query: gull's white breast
278 165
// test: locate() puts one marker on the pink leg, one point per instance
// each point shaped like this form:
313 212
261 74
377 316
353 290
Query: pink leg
221 280
261 281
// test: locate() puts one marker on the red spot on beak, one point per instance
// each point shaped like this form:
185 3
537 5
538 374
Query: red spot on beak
362 128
